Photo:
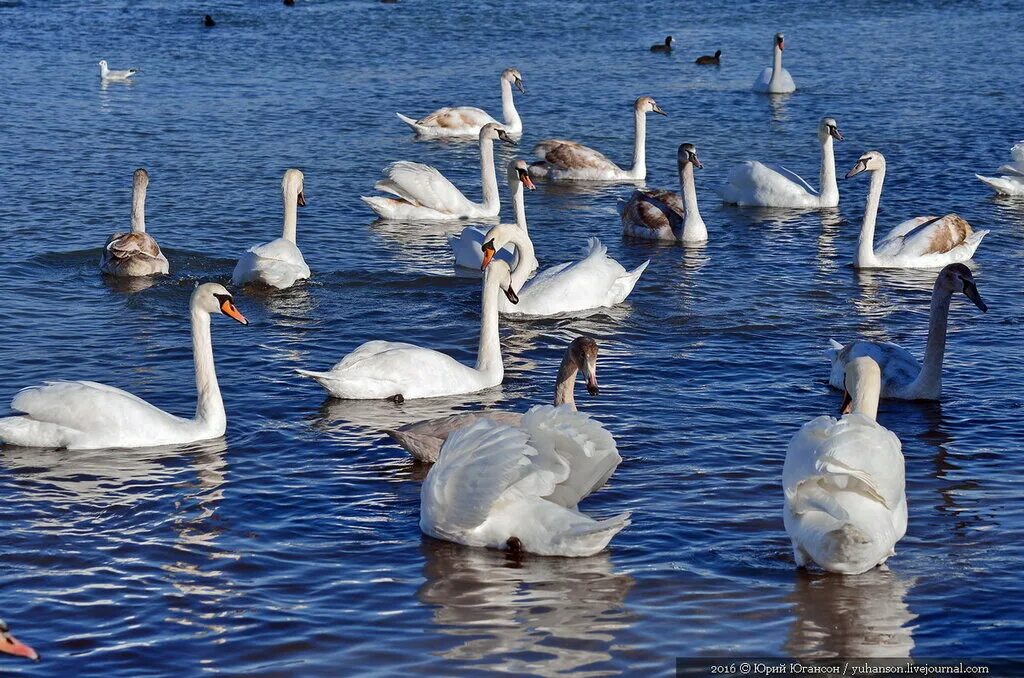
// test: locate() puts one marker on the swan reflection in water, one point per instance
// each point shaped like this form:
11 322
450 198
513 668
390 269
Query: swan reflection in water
851 616
527 615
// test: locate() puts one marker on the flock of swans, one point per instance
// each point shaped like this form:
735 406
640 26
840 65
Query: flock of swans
511 480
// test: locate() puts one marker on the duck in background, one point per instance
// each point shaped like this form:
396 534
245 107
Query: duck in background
663 47
714 60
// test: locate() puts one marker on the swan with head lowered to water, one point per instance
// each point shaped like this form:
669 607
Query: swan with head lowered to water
380 370
466 121
562 160
756 184
922 242
654 214
135 253
424 194
843 479
775 80
277 263
903 377
423 439
87 415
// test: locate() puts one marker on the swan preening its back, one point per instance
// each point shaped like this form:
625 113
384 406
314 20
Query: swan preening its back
88 415
655 214
903 377
423 439
1012 180
845 497
466 121
107 74
562 160
767 185
135 253
278 263
421 193
775 80
517 488
921 242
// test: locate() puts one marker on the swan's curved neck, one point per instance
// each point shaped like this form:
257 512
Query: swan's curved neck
828 186
639 169
513 123
565 382
527 258
866 241
488 179
519 206
776 65
866 402
488 352
930 378
291 215
209 407
694 229
139 209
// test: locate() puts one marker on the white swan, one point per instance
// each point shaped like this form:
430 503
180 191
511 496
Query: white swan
775 80
400 371
467 246
595 281
903 377
134 253
277 263
424 194
107 74
562 160
517 488
655 214
466 121
846 504
756 184
922 242
1012 181
11 645
423 439
87 415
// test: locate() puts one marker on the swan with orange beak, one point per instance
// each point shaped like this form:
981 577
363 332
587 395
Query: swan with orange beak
11 645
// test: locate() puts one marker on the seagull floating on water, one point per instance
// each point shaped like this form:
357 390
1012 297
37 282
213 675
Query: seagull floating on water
107 74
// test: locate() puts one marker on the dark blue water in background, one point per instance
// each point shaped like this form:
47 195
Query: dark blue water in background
292 545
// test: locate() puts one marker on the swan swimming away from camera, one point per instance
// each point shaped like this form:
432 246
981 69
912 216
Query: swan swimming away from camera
277 263
845 496
1012 180
466 121
400 371
107 74
775 80
424 194
87 415
562 160
756 184
423 439
922 242
655 214
903 377
517 488
135 253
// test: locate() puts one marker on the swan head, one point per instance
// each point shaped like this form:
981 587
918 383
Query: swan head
500 275
688 154
648 105
958 278
583 352
872 161
291 185
11 645
513 76
493 131
863 386
215 298
495 239
140 179
828 127
519 171
780 41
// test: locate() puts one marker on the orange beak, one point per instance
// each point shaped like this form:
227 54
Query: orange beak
231 311
488 250
12 645
527 181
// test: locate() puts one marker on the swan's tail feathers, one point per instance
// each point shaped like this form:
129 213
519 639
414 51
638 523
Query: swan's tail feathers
25 432
381 205
623 286
409 121
832 352
974 239
595 248
590 537
322 378
422 448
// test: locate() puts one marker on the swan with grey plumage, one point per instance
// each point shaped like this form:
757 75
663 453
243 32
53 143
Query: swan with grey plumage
134 253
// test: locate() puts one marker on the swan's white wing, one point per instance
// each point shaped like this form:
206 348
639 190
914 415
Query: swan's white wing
898 365
569 155
792 176
925 235
423 185
456 118
1007 185
278 263
753 183
587 449
126 245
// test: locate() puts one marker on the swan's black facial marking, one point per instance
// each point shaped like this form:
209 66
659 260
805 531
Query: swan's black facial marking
503 136
511 295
